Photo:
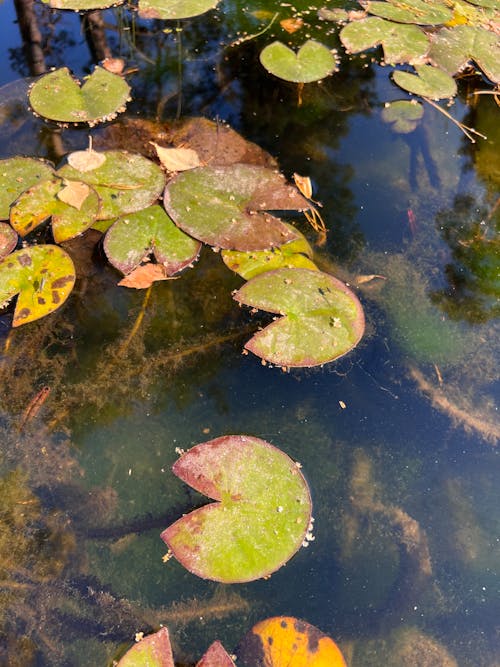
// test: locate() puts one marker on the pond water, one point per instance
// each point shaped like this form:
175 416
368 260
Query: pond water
397 440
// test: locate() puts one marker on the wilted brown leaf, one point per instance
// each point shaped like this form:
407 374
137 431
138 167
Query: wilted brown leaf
86 160
74 193
177 159
144 276
292 25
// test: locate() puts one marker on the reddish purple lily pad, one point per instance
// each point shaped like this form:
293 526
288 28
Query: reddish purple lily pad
8 239
261 517
216 656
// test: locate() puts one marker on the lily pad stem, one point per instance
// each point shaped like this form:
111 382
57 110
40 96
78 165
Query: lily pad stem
468 131
123 347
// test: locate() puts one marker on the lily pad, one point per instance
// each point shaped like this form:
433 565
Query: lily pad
312 62
125 182
133 238
42 201
260 519
452 48
223 206
403 116
401 43
152 651
43 277
174 9
82 5
297 253
8 239
429 82
17 174
285 641
421 12
322 319
58 96
216 656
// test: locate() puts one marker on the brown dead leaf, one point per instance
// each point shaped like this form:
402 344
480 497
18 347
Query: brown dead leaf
74 193
304 184
177 159
86 160
144 276
292 25
113 65
360 280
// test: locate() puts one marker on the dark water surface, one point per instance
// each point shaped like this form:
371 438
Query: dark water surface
398 440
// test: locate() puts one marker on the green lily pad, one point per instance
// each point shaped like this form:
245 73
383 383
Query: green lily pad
322 318
125 182
17 174
152 651
411 11
82 5
297 253
8 239
174 9
429 82
452 48
41 202
43 277
403 116
224 206
132 239
401 43
261 517
312 62
58 96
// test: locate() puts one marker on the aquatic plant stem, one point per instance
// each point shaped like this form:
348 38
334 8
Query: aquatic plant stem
466 130
240 40
179 71
137 322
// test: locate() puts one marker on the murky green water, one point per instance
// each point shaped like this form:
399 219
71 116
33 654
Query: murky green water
398 440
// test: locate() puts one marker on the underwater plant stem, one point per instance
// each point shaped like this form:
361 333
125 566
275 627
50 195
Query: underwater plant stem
240 40
468 131
137 322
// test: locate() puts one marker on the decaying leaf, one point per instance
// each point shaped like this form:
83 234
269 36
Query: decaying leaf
74 193
144 276
86 160
177 159
292 25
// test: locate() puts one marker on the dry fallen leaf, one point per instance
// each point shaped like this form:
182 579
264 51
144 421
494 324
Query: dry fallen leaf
304 185
74 193
360 280
86 160
113 65
292 25
144 276
177 159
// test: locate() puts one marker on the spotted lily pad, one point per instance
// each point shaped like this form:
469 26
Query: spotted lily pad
260 519
403 116
401 43
312 62
8 239
321 318
429 81
134 237
174 9
216 656
297 253
421 12
152 651
42 201
224 206
58 96
125 182
452 48
43 277
82 5
17 174
285 641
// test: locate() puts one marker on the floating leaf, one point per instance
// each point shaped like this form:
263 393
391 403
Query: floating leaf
58 96
285 641
291 25
401 43
297 253
42 201
174 9
429 81
403 116
222 206
216 656
312 62
8 239
42 275
144 276
82 5
74 193
152 651
132 239
86 160
322 318
422 12
125 182
17 174
261 516
177 159
452 48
